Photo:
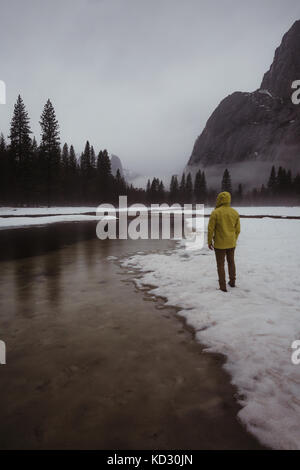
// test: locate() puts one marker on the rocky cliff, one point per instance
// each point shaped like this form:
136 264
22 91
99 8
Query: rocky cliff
116 165
248 132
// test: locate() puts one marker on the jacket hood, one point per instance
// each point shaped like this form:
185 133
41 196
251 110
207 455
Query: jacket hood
223 199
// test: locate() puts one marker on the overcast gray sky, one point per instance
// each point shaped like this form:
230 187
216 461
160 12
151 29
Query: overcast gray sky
138 77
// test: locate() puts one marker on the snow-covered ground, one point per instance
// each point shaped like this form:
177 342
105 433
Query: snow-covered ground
253 324
35 211
19 222
267 210
13 211
14 217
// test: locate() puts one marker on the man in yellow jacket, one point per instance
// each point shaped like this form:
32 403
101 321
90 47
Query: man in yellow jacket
223 232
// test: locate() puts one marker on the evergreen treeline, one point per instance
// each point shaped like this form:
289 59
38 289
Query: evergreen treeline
281 188
32 174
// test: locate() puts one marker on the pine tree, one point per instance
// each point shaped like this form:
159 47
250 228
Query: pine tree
65 158
203 188
2 144
148 192
3 171
154 191
182 189
197 186
50 152
85 159
74 176
65 168
72 159
272 183
85 172
20 141
281 180
93 158
119 185
200 189
174 190
20 153
92 178
104 177
226 182
36 173
161 192
189 189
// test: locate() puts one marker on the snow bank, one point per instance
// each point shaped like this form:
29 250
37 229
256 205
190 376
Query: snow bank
12 211
251 210
260 210
17 222
267 210
254 324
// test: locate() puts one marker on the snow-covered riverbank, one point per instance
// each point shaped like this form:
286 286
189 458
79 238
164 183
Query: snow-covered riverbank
254 324
14 217
36 211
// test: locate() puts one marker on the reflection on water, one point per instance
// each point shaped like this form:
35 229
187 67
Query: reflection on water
34 241
23 276
43 268
52 272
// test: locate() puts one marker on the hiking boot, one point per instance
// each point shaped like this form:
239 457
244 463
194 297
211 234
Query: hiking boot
231 283
223 289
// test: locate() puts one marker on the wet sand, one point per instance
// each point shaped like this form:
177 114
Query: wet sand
93 362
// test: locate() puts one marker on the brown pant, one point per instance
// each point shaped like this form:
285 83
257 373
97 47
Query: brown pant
220 257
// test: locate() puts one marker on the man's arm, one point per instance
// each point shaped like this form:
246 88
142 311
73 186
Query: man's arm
237 227
211 229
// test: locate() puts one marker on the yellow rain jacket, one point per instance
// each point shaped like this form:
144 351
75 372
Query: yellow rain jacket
224 223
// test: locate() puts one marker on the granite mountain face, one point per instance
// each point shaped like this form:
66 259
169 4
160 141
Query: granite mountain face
248 132
116 165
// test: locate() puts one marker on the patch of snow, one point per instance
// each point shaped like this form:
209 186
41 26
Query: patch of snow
264 210
247 210
45 210
18 222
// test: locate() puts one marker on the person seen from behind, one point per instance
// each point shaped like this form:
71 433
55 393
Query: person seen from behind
223 231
